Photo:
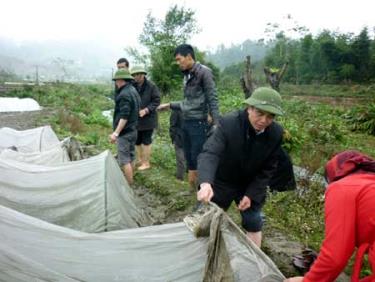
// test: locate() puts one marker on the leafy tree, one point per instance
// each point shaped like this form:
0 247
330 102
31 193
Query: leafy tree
347 71
303 62
160 37
361 52
329 57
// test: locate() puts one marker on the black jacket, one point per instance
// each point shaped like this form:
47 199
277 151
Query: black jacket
150 99
175 128
283 179
236 156
200 96
127 104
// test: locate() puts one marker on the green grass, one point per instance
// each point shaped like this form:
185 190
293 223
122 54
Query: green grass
76 110
314 131
329 90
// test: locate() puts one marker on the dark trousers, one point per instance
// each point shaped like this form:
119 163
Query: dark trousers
180 162
195 134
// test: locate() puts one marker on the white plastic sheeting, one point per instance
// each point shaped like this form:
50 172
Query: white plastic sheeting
90 195
28 141
49 215
34 250
108 115
18 105
52 156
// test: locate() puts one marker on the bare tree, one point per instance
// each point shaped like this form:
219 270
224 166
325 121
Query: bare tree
247 83
274 76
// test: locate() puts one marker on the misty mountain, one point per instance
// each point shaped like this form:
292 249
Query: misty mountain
91 60
226 56
59 60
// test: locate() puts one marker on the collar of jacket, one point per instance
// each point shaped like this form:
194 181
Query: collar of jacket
142 88
191 72
118 91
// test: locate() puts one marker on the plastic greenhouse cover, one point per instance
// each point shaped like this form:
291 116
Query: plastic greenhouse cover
28 141
90 195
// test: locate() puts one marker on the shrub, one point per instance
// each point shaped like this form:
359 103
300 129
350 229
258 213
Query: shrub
362 119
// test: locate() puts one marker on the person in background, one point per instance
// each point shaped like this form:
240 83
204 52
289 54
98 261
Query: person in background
200 100
125 120
148 119
122 63
240 157
349 218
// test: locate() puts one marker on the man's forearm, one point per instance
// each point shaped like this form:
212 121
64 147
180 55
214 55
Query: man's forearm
120 126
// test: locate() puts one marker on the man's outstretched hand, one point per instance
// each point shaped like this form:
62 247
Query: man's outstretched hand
206 193
164 107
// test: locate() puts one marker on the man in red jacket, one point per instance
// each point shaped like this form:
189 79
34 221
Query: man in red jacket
349 218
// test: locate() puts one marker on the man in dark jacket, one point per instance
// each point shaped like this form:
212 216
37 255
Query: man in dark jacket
177 137
148 119
200 99
240 157
125 120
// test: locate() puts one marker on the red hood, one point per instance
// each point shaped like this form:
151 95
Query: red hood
346 163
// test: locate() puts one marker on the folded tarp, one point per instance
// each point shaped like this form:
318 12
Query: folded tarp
231 256
89 195
28 141
34 250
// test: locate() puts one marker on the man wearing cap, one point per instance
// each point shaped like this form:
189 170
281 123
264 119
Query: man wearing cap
125 120
240 157
148 119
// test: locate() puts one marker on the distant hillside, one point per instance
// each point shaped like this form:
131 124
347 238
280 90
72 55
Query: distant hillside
226 56
59 60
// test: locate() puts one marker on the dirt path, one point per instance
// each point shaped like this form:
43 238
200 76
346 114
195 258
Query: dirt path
25 120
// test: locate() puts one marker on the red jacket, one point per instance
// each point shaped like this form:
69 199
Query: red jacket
349 223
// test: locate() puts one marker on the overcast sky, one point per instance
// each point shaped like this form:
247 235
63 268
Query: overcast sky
120 22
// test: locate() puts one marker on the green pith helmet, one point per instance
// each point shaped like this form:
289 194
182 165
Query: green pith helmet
122 74
266 99
138 69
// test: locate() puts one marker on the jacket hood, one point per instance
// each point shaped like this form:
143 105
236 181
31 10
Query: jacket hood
346 163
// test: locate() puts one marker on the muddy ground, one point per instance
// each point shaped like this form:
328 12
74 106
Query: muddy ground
278 246
25 120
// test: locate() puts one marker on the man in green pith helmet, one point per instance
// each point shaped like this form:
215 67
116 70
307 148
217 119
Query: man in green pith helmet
240 157
125 120
148 119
